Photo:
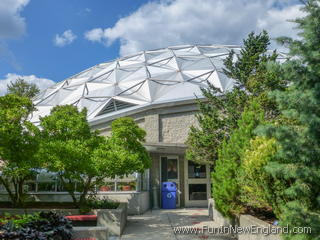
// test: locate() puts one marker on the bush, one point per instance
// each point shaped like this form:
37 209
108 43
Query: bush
226 188
257 186
93 203
44 226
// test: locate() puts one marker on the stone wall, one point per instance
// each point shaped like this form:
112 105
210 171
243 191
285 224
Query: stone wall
166 125
216 216
250 221
138 202
174 128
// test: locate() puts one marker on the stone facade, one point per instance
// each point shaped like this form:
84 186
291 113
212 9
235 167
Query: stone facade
167 130
174 127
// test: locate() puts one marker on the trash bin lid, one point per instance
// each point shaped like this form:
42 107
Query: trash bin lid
168 187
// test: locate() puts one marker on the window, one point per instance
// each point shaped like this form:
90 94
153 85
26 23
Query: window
50 182
196 170
197 191
169 168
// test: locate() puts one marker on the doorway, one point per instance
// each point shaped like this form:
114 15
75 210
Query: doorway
169 172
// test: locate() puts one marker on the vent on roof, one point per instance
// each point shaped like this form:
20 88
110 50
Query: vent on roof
115 105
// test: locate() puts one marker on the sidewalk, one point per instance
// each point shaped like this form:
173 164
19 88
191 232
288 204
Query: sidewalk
159 225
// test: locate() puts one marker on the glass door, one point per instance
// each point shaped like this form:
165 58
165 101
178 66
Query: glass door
169 172
197 184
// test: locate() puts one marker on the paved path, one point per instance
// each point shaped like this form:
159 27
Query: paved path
160 224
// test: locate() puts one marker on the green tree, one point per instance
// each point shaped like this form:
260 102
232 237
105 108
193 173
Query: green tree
225 183
297 161
124 153
18 145
218 114
82 158
22 88
258 189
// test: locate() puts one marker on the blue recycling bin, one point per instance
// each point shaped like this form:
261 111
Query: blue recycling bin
168 195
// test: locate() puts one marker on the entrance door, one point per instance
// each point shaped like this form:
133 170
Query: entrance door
169 172
197 184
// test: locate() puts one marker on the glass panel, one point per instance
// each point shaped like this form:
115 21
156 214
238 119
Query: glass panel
196 171
145 180
60 187
197 191
30 186
169 168
164 174
126 186
172 169
46 187
107 187
2 188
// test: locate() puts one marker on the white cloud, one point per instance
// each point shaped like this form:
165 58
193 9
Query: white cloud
95 35
12 25
66 38
84 12
42 83
163 23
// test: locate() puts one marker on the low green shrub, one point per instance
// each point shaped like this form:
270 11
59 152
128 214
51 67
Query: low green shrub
94 203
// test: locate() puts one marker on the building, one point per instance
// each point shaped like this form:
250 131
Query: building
158 89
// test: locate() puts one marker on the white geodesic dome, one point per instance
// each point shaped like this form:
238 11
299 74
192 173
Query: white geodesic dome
147 78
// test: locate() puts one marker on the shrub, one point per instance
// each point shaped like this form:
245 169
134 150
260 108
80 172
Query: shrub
226 188
44 226
104 203
256 185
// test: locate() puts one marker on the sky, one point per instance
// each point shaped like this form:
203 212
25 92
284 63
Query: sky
47 41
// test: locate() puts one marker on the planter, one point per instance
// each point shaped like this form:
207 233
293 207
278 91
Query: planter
215 216
113 219
98 233
126 188
105 189
253 222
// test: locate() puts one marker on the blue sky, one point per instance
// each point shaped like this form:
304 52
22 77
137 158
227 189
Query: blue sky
35 52
46 41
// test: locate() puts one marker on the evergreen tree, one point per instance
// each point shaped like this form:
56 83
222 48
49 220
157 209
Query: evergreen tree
225 183
297 161
219 114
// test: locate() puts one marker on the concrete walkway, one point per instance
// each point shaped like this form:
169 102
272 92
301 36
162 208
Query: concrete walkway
161 225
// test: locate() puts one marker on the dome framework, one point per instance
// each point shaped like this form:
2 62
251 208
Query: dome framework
149 77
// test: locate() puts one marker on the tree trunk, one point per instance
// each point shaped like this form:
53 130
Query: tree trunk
70 190
86 188
17 195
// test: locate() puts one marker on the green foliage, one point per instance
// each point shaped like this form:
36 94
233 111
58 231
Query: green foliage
19 140
219 114
257 188
124 153
22 88
19 220
80 156
296 163
68 147
93 203
225 183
